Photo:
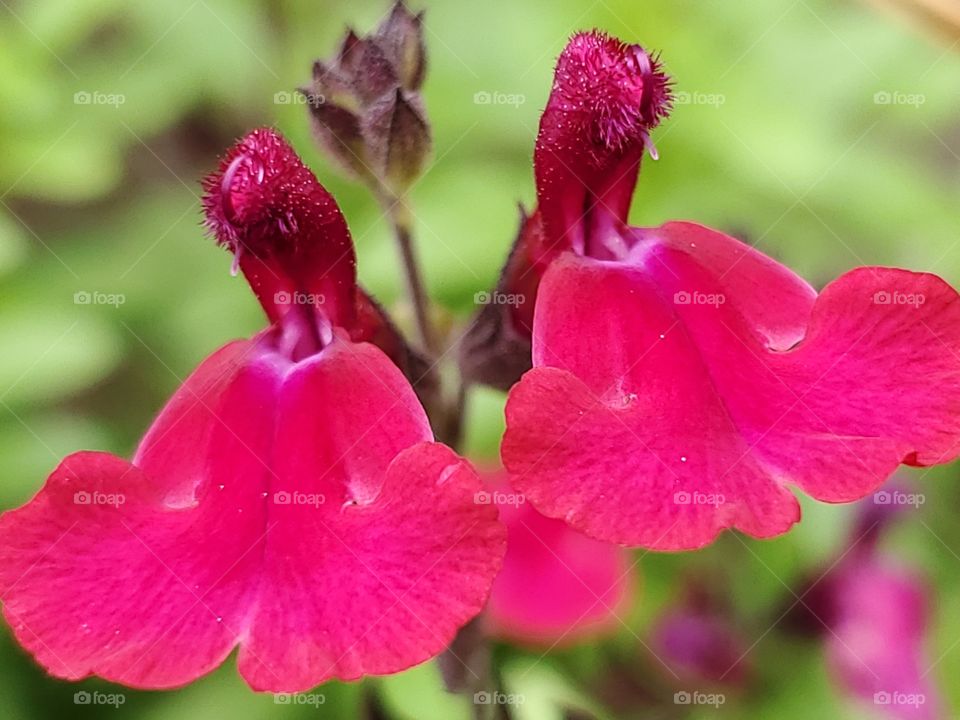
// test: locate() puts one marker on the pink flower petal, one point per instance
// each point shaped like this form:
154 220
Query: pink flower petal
380 574
664 407
317 529
557 586
106 572
773 300
174 450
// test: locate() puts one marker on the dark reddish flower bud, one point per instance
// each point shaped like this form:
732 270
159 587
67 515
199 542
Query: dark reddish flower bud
496 349
365 105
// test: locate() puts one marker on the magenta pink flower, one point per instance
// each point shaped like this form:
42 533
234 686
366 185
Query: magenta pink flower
557 586
682 381
878 626
288 500
872 611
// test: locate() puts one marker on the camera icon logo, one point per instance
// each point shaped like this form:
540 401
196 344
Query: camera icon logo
482 698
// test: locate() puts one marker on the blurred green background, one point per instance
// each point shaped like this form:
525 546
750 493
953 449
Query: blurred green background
822 130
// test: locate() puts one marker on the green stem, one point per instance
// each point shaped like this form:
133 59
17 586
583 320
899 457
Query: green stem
402 222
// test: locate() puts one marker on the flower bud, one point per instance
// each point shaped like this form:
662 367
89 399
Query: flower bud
365 106
496 349
401 37
397 138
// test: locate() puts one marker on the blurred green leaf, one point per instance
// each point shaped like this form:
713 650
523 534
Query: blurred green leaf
418 694
49 355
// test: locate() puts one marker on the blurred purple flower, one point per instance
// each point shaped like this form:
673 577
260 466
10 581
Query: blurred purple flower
700 645
875 647
876 611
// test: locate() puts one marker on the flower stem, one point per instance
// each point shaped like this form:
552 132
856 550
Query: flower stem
455 411
402 227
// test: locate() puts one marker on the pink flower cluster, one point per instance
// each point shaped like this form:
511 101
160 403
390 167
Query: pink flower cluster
291 501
